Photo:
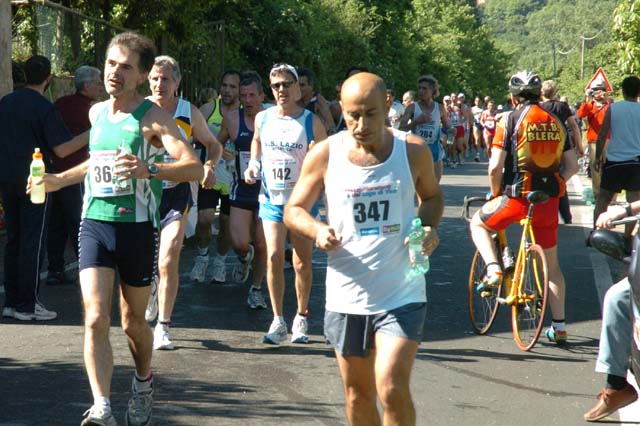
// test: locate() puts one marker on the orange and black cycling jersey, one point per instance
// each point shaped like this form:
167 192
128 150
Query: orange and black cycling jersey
534 140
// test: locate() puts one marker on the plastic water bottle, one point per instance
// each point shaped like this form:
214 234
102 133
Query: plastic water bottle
508 259
231 164
37 170
419 261
587 195
122 184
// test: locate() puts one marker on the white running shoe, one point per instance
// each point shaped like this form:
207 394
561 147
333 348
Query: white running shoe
96 416
277 333
152 306
8 312
299 330
219 270
140 407
161 340
255 299
241 271
40 313
199 271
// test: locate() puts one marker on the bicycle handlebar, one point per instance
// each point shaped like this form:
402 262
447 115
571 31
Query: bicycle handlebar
625 220
467 204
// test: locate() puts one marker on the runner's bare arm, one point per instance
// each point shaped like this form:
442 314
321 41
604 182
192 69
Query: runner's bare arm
252 172
72 145
319 132
430 198
406 118
307 190
325 114
157 125
55 181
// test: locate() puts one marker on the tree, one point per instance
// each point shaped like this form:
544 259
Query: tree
6 80
626 33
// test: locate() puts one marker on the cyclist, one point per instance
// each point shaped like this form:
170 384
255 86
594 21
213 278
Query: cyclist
530 152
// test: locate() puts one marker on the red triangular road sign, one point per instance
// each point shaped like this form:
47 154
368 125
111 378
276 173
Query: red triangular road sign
600 77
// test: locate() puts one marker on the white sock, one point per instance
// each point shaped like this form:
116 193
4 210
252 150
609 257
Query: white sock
221 257
280 319
559 326
142 383
104 403
494 268
203 251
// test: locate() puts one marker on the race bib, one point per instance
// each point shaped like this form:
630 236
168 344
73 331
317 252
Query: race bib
281 174
489 125
167 184
427 132
102 179
377 210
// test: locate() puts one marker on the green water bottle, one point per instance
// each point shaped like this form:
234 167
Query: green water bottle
419 261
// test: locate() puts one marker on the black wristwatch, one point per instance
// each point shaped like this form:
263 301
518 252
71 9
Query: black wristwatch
627 207
153 170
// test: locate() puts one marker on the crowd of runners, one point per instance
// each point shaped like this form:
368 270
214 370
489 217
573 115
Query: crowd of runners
259 172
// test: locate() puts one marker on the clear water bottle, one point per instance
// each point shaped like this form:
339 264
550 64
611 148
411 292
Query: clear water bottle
587 195
230 164
122 184
37 170
419 261
508 259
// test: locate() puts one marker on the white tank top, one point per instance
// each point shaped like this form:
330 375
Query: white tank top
285 142
372 208
430 132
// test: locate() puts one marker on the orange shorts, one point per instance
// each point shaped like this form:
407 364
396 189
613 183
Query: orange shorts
500 212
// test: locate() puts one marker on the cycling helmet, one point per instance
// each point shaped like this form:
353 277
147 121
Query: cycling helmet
525 84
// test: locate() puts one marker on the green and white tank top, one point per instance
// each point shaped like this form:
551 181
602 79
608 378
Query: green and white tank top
104 199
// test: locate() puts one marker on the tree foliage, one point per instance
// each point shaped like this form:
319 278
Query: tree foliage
397 39
626 34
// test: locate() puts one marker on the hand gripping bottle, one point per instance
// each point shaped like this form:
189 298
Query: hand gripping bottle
37 170
419 261
124 184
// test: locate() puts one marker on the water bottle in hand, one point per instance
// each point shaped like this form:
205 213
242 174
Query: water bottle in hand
37 170
419 261
122 184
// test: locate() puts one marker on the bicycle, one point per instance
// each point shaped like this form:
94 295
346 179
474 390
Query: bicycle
524 286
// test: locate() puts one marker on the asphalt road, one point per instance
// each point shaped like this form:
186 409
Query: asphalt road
221 373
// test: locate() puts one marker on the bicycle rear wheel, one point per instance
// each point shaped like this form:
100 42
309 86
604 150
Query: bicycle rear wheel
483 306
528 313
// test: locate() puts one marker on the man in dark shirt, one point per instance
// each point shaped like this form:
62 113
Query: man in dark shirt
27 121
562 110
66 204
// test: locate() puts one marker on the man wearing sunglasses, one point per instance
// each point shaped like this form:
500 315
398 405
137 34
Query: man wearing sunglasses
283 135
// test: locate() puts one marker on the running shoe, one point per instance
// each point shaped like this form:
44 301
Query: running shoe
8 312
96 416
241 271
219 270
255 299
299 330
40 313
477 158
277 333
491 280
199 271
152 306
161 340
556 336
140 407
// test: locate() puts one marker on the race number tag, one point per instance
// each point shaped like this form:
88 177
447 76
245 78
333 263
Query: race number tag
167 184
103 184
427 132
377 210
282 174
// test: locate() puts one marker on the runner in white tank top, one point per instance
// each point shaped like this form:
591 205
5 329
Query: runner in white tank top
370 175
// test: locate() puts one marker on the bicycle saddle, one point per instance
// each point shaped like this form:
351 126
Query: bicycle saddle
610 243
535 197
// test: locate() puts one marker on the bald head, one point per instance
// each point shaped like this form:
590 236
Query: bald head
364 85
363 100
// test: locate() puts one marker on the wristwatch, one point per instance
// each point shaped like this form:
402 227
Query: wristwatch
628 209
153 170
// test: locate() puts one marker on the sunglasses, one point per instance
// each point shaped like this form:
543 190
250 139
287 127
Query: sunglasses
285 84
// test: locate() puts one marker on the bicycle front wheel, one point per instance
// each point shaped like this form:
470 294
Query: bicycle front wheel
528 311
483 306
